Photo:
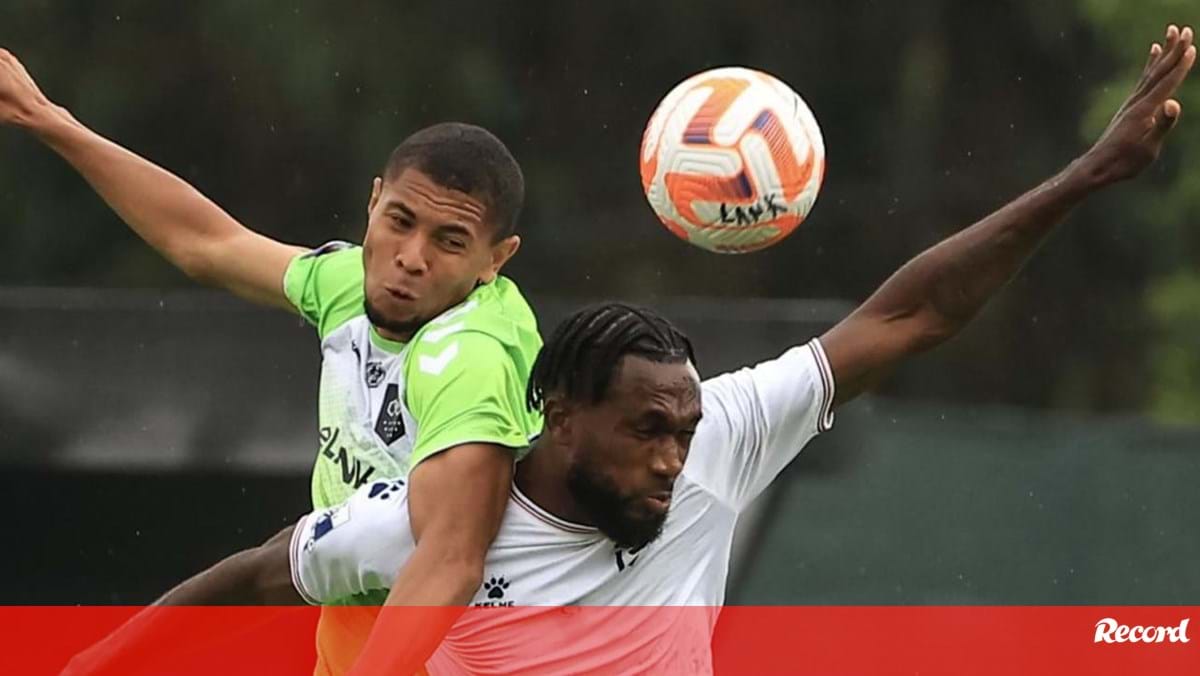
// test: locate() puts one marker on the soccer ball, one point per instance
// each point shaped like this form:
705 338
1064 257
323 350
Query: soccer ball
732 160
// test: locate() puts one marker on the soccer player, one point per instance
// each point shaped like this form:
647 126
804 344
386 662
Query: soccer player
426 348
630 496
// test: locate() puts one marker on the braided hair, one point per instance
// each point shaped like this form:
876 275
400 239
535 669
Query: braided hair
580 358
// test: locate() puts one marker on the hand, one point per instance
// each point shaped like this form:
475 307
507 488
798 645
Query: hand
21 102
1135 136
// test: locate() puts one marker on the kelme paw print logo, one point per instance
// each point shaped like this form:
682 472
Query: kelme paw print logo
495 587
384 489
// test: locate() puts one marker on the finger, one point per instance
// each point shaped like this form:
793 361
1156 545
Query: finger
1154 67
1155 54
1168 51
1173 50
1166 87
1167 117
1172 36
1182 40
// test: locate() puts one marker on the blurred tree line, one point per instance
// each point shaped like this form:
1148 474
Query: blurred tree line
935 112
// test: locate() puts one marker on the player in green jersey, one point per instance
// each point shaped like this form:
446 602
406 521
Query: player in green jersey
426 348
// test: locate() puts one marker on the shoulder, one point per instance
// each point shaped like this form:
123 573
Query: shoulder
326 284
462 350
498 309
331 258
494 322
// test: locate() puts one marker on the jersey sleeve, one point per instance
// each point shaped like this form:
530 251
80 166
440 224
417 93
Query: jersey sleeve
465 388
325 285
353 548
757 419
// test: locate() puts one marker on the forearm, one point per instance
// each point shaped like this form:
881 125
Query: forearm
403 639
456 501
258 576
428 597
157 634
170 215
437 578
157 637
937 293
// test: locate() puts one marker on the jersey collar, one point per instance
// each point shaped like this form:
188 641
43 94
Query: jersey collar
385 344
546 517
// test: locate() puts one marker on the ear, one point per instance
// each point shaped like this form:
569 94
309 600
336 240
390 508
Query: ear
376 190
501 252
557 419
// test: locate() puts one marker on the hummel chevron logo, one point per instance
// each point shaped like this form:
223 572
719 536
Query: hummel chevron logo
435 365
456 313
434 335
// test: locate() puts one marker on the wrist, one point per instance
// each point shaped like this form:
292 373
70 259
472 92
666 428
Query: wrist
1090 172
49 123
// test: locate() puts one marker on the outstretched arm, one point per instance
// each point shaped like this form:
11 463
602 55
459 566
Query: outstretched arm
187 228
935 295
260 576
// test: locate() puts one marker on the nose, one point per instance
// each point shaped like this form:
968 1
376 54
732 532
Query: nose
410 254
667 460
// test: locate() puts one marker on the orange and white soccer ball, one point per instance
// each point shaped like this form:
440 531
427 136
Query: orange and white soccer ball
732 160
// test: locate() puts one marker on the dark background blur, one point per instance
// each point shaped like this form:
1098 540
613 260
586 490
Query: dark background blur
1048 455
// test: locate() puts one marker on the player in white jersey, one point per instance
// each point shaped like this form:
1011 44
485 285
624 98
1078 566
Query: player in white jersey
754 423
629 498
655 514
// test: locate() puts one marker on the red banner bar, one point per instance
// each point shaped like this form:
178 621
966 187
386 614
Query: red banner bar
950 640
757 640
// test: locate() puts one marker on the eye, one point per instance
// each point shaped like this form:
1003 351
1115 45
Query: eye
647 432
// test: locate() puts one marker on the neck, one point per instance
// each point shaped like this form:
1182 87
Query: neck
542 477
398 336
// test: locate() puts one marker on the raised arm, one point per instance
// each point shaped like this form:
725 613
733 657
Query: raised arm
183 225
935 295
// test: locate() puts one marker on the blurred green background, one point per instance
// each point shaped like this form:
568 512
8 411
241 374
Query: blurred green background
1082 380
935 112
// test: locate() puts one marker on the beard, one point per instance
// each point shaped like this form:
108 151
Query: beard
616 514
400 327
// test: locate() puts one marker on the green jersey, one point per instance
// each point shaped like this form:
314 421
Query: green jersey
386 406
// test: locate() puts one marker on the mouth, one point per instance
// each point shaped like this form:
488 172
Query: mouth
401 294
659 502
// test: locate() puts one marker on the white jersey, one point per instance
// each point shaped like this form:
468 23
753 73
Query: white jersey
755 422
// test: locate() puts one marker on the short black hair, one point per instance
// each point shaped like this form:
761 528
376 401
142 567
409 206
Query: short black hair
469 159
581 357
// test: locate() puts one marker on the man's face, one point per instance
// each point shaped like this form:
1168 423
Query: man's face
629 448
426 248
